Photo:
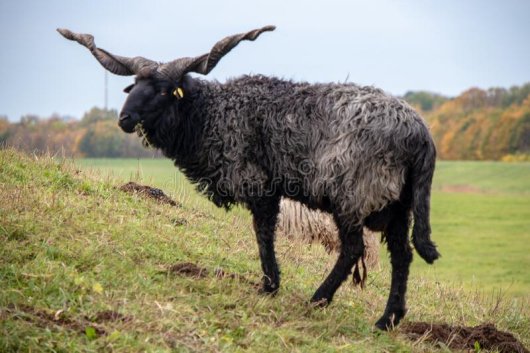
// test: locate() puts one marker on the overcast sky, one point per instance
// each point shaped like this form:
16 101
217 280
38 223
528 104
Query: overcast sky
441 46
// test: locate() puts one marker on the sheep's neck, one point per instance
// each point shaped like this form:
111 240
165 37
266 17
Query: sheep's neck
179 133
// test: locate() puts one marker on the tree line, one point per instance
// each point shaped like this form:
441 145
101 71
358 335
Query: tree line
492 124
96 135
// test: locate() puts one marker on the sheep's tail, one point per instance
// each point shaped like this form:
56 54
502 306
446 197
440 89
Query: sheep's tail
421 177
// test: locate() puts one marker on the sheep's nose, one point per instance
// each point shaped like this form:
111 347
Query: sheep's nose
124 117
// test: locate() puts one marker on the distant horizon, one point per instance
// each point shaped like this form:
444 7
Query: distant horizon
69 116
411 45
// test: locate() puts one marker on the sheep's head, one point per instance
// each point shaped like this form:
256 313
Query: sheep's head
157 85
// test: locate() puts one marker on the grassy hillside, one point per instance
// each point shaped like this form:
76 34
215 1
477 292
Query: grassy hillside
85 267
483 177
480 218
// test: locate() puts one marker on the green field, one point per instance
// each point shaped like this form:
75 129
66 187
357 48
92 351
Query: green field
480 218
85 267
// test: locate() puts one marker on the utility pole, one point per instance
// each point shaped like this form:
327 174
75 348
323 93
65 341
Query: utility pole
106 89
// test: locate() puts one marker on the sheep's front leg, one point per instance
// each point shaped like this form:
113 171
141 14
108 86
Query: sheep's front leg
265 214
352 248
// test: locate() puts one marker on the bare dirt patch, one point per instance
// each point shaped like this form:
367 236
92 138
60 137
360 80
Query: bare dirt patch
177 222
149 192
463 337
48 319
188 269
110 316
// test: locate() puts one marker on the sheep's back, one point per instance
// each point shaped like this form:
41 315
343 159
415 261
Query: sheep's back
340 142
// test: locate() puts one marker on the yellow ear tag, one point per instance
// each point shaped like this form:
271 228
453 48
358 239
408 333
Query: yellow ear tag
178 92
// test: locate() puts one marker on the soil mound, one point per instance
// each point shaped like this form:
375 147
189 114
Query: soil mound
149 192
188 269
463 337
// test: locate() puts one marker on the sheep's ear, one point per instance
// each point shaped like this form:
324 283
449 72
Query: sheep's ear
128 88
118 65
205 63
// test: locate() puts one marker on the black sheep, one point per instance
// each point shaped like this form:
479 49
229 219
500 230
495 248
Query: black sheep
365 157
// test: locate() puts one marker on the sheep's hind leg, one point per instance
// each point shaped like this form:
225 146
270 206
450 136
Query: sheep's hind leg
265 215
352 248
400 258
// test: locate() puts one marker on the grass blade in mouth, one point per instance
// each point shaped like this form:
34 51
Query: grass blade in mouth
139 128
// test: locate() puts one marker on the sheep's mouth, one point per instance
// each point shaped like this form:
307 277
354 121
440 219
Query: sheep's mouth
128 122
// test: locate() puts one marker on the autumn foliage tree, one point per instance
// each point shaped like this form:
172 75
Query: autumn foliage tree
491 124
95 135
483 124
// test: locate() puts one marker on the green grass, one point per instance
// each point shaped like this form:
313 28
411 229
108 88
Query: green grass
481 222
480 218
154 172
72 247
484 241
482 176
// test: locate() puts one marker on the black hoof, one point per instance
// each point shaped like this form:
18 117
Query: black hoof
269 289
321 298
320 302
384 324
389 322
